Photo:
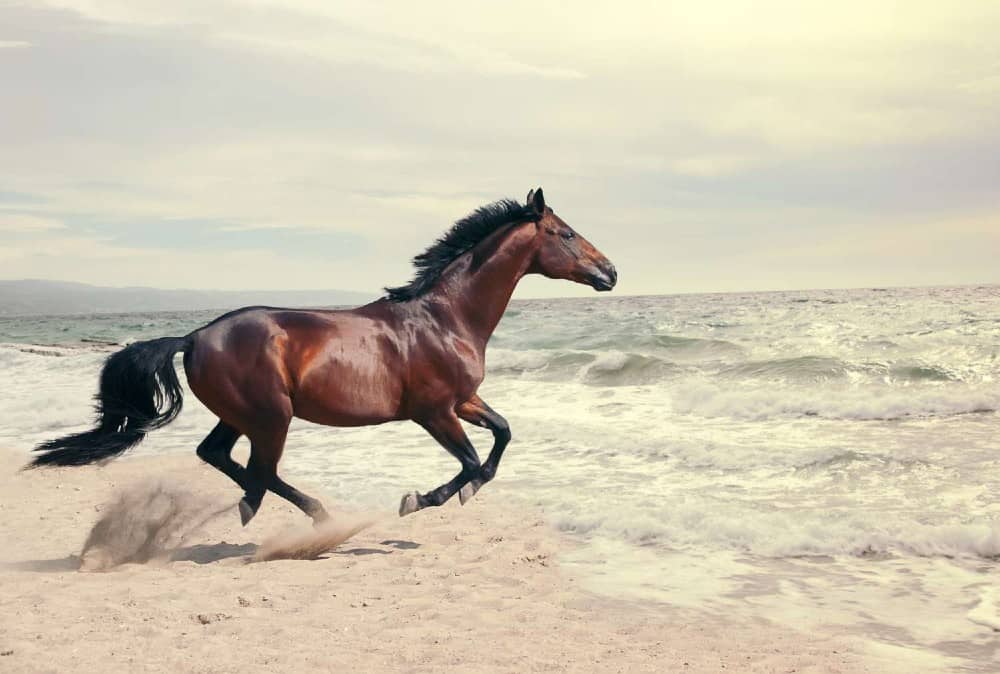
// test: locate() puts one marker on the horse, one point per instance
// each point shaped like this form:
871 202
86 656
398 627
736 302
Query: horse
417 353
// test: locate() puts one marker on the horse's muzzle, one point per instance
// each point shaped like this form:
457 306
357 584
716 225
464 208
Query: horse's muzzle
603 278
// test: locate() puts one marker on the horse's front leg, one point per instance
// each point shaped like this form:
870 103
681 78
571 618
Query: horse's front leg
447 430
477 412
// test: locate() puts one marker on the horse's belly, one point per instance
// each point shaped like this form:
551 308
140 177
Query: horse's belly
345 396
342 416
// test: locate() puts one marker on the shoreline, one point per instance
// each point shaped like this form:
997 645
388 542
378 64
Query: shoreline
479 587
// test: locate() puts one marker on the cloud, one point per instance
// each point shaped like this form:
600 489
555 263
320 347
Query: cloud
88 260
707 166
318 31
27 223
678 132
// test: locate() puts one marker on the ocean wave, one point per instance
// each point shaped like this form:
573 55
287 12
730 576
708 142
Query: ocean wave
612 368
60 350
846 458
827 368
802 368
919 373
605 338
986 612
538 364
627 369
780 534
836 458
863 403
674 346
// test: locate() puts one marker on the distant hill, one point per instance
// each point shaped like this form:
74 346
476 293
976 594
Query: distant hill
37 297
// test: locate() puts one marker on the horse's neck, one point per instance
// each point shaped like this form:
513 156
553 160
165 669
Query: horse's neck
480 295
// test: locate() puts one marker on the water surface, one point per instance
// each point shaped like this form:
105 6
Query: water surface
822 458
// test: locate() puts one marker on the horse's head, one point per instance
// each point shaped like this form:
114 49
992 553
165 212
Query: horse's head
564 254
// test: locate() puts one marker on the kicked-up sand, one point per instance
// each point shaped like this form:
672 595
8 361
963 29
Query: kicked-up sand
176 584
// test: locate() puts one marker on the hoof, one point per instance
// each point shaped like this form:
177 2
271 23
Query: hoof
409 504
320 518
469 490
246 511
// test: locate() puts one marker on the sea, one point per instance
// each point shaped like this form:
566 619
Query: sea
825 459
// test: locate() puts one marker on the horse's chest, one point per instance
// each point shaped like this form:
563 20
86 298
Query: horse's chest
470 367
469 379
452 373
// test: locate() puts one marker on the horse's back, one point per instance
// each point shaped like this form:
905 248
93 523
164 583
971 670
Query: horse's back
332 367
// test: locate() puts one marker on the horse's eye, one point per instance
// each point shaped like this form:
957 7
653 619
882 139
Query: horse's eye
568 235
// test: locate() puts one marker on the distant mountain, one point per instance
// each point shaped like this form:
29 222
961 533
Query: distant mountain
36 297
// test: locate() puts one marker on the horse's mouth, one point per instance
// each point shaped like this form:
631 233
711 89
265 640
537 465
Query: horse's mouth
603 280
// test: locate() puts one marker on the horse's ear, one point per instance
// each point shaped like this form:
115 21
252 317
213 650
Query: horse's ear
536 201
531 195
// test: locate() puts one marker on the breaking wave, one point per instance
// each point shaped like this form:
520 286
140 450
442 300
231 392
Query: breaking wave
612 368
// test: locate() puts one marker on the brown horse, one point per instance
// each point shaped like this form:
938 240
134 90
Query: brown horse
418 353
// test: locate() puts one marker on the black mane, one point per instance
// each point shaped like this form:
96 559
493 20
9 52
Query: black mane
460 239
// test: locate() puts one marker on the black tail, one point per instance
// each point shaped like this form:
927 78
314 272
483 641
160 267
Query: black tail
139 393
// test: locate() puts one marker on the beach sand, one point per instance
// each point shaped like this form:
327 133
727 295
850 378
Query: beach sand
476 588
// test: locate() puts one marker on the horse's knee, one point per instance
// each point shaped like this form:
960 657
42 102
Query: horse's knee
502 435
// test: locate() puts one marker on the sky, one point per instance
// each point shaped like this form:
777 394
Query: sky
703 146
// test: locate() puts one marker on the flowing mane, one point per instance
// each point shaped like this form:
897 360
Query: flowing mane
460 239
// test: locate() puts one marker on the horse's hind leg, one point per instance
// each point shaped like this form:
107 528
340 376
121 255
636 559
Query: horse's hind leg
303 502
264 455
216 449
266 448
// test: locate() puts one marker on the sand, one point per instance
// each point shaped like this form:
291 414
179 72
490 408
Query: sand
475 589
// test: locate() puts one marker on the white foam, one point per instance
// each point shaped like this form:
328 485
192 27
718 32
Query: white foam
987 611
699 523
863 403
